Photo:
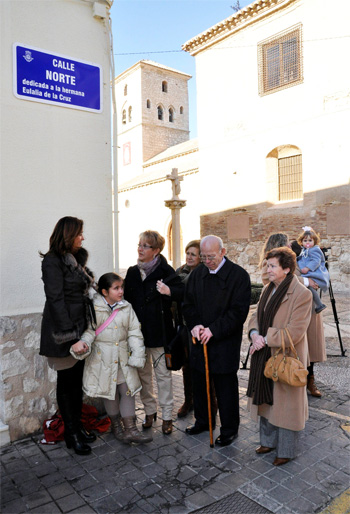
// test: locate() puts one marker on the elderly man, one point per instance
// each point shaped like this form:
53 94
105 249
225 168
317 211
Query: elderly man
216 304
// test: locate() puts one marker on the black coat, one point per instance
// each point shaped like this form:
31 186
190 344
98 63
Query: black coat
148 303
221 302
65 312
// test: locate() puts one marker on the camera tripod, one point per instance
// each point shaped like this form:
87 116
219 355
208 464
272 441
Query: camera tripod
332 299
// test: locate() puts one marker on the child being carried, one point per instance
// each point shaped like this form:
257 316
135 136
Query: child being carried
312 264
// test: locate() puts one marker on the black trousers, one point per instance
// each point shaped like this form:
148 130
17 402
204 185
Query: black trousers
226 388
70 379
70 396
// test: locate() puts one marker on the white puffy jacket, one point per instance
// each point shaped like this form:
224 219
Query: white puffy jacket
121 343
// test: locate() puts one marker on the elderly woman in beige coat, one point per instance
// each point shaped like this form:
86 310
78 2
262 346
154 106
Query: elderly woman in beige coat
114 351
283 409
315 332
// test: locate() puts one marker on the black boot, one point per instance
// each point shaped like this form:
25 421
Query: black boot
72 435
85 435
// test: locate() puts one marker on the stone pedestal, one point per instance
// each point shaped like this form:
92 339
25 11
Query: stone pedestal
175 206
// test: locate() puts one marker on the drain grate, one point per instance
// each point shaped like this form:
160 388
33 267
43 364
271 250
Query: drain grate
235 503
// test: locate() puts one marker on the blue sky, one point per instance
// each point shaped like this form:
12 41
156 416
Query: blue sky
156 29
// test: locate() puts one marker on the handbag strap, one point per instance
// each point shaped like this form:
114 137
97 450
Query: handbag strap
291 343
283 343
107 322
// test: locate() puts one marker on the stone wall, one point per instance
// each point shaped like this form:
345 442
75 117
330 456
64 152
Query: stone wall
28 392
244 230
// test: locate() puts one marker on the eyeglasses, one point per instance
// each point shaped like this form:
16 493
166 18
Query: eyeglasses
144 247
207 257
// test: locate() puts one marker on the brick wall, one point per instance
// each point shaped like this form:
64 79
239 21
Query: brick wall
245 230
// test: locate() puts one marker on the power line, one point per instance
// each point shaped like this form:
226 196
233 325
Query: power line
156 52
226 47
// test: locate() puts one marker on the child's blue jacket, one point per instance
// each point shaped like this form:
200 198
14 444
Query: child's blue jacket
313 259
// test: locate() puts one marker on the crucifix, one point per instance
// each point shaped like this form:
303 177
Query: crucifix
175 204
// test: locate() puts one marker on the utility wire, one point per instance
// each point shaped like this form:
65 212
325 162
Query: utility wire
226 47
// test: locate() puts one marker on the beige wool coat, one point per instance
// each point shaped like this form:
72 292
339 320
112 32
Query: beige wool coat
315 331
290 406
118 346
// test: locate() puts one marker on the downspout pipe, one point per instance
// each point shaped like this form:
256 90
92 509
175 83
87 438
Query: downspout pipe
114 157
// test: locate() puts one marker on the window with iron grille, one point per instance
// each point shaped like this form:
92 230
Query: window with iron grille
280 61
290 179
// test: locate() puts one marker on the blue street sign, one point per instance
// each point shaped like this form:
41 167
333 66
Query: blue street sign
44 77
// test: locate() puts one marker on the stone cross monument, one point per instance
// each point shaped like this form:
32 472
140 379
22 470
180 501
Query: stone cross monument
175 204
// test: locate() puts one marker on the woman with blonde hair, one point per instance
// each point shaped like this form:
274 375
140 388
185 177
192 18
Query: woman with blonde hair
151 299
193 260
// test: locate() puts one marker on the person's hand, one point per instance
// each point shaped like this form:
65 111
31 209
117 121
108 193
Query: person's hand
196 332
313 284
304 270
205 335
80 347
258 342
163 288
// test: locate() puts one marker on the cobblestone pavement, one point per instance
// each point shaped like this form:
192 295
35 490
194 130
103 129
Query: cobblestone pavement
180 474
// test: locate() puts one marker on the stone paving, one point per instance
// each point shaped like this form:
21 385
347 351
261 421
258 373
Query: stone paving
181 474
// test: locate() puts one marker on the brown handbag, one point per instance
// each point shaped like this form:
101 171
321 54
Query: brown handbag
284 368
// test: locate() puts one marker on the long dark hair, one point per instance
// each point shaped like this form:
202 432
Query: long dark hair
63 235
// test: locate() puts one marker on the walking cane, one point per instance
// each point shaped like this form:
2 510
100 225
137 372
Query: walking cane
208 391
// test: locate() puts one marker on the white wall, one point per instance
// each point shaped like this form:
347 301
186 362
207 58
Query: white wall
147 211
55 161
238 128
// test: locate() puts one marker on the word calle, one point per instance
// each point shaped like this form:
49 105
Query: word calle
69 66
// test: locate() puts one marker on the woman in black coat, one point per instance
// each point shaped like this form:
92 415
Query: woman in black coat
67 282
151 299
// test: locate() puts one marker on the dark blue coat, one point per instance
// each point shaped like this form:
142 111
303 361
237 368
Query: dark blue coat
221 302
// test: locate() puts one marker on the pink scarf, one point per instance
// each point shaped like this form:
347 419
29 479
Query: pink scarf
146 268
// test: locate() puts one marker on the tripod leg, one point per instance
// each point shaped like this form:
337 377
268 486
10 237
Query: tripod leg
244 364
336 319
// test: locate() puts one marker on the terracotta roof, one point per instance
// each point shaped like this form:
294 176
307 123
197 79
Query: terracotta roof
249 14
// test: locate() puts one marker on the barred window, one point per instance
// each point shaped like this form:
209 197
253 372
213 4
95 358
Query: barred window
160 112
124 117
280 61
290 185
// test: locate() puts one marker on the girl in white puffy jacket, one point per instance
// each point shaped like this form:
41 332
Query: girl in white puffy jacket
114 350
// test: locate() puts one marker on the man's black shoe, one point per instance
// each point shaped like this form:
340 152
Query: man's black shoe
225 440
196 429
